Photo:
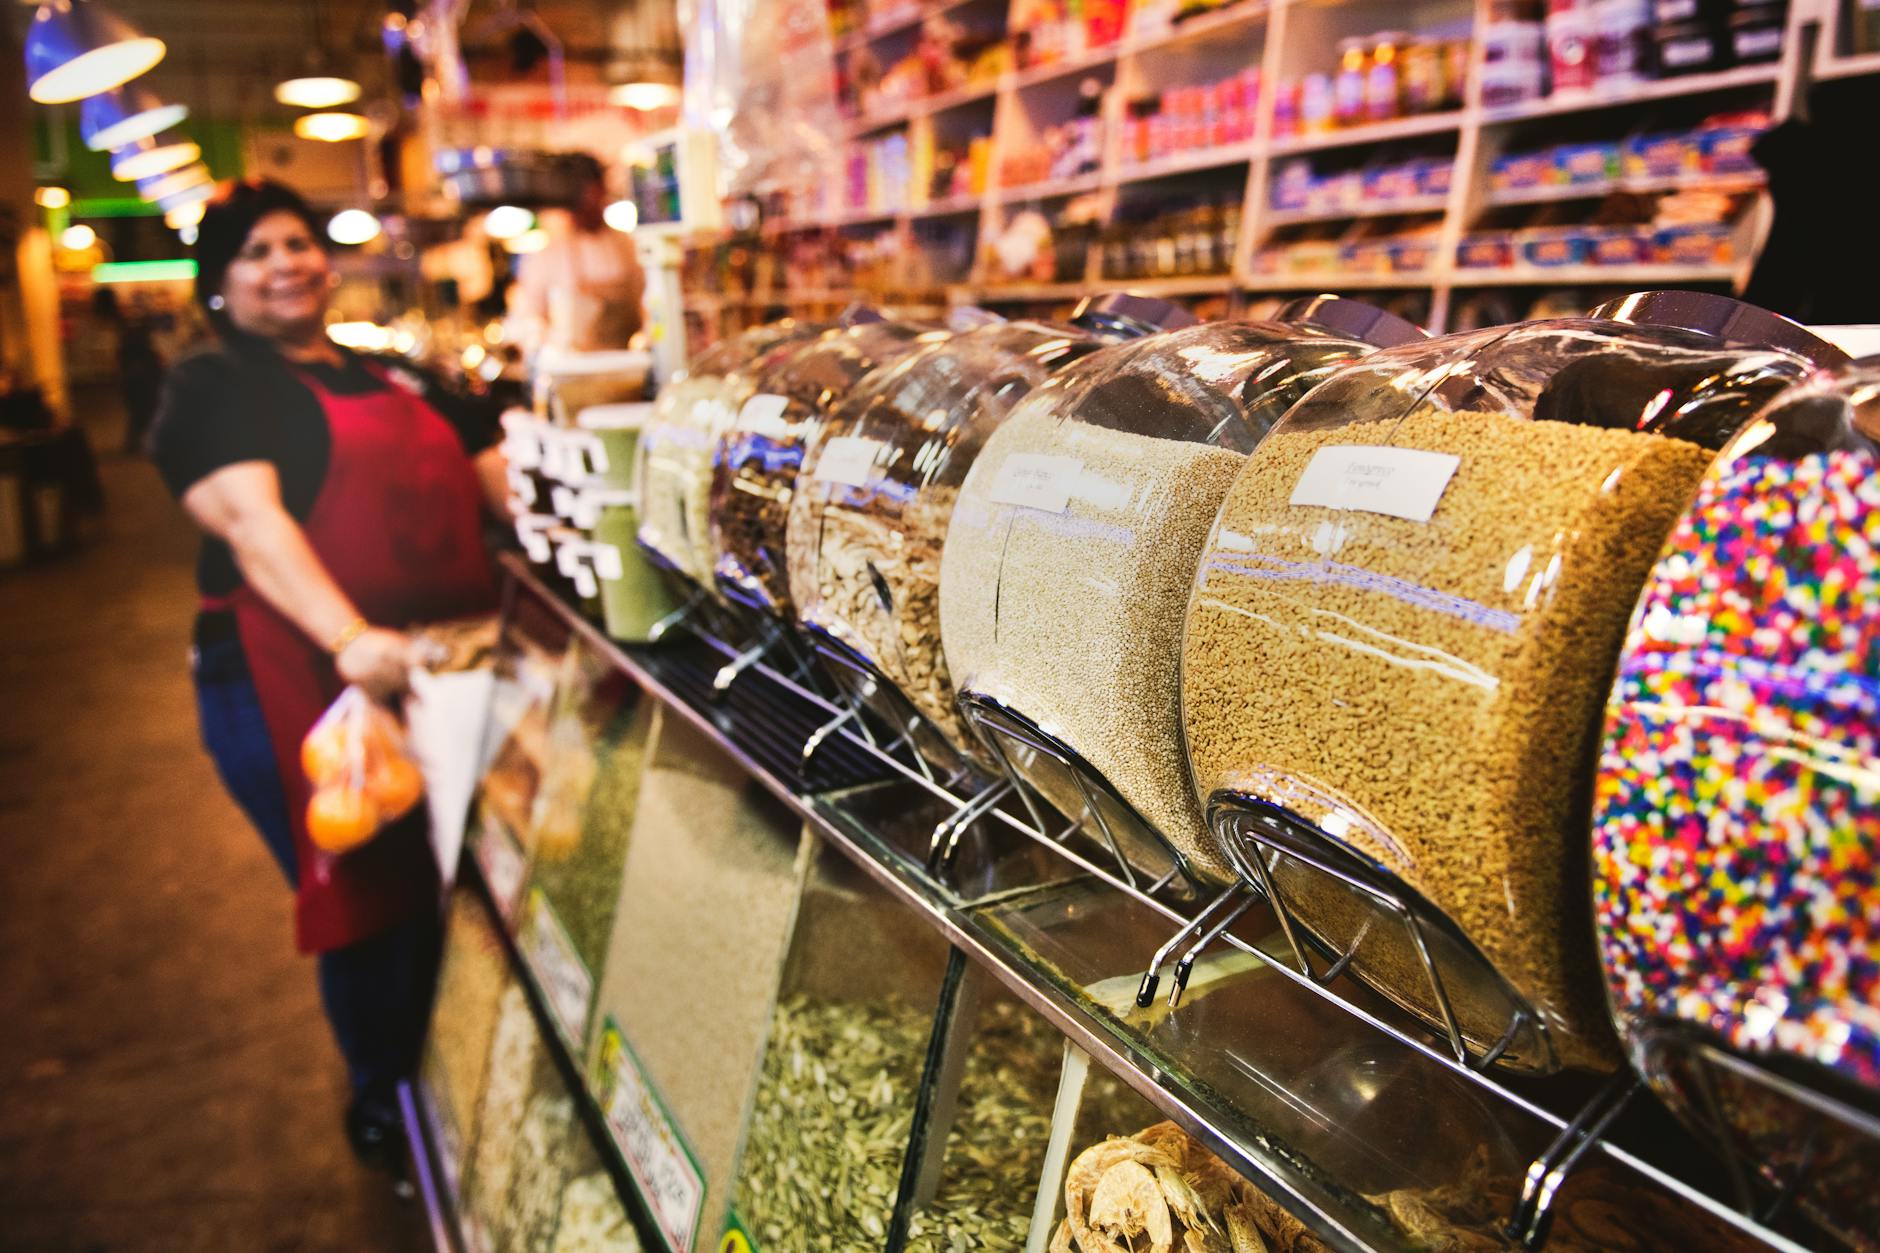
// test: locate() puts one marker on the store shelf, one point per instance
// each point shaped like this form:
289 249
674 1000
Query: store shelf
1849 67
1213 158
877 120
1051 188
949 206
1594 276
894 26
1190 285
1096 58
1243 13
1379 209
1375 133
1016 293
1658 89
958 98
1044 942
1339 282
1554 193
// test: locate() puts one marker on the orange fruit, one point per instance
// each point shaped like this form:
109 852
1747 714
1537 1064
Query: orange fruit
395 784
340 819
326 752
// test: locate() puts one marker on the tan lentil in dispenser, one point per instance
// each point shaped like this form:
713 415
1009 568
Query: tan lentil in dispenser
1405 624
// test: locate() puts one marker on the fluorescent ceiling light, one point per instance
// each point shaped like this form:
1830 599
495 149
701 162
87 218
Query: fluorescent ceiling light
147 158
317 91
506 221
78 48
332 128
110 120
622 215
352 226
645 96
143 271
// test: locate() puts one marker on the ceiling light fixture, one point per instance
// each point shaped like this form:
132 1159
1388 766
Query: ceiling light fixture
111 119
317 91
78 48
645 96
52 197
529 241
622 215
77 238
147 158
190 196
163 186
332 128
187 214
507 221
352 226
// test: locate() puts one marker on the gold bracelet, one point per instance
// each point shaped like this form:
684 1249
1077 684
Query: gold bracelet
354 629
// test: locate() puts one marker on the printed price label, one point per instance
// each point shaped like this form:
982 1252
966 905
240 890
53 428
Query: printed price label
502 864
1401 482
662 1164
1036 481
558 969
763 414
848 459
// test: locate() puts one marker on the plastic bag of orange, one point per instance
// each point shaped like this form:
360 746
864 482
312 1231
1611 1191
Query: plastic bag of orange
361 774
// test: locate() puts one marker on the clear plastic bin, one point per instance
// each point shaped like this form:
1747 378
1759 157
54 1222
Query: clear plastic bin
755 462
877 487
1075 536
673 466
1736 820
1404 625
471 979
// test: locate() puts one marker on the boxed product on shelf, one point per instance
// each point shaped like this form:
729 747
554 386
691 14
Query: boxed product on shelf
684 993
1296 187
1695 243
1549 246
1629 244
1664 154
1452 748
1486 250
1181 119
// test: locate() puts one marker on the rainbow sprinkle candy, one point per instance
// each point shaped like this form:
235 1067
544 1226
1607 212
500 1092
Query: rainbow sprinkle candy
1736 819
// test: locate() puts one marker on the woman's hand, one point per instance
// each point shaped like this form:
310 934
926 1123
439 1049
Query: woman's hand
377 660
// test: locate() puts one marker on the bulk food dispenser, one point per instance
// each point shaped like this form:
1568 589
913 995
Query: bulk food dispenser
1070 550
1402 630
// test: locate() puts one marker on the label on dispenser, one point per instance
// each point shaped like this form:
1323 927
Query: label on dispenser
1400 482
1036 481
849 460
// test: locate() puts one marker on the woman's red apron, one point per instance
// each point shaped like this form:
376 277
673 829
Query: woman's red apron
398 524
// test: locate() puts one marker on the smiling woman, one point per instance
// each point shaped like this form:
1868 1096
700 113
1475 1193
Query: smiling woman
340 502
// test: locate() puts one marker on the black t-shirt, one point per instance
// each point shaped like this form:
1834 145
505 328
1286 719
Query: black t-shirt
242 402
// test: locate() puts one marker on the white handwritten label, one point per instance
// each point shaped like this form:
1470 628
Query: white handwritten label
1036 481
502 865
763 414
662 1165
848 459
559 971
1401 482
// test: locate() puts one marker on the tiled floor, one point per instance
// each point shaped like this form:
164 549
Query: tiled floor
166 1079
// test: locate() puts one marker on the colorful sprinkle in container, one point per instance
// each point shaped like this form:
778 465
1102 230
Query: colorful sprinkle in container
1736 821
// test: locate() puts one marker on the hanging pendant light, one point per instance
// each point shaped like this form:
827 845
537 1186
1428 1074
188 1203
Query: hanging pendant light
188 198
147 158
186 213
332 128
78 48
162 186
124 115
317 91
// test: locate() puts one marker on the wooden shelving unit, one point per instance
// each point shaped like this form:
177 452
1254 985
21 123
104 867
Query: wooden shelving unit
1287 38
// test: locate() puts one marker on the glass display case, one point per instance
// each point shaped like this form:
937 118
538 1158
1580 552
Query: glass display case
512 1191
673 463
1736 815
834 1110
1402 630
876 491
705 896
471 980
755 463
1071 547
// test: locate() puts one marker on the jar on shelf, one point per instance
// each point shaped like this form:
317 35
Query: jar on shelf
1349 83
1384 78
1401 633
1316 107
673 469
1423 73
1736 822
1074 533
1572 47
755 461
876 492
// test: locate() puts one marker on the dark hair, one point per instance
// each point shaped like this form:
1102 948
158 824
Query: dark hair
226 222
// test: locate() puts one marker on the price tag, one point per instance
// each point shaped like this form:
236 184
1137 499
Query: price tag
662 1164
558 969
1036 481
848 459
763 414
1400 482
502 864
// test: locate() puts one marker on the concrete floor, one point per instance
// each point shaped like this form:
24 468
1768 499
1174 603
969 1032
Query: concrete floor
166 1077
